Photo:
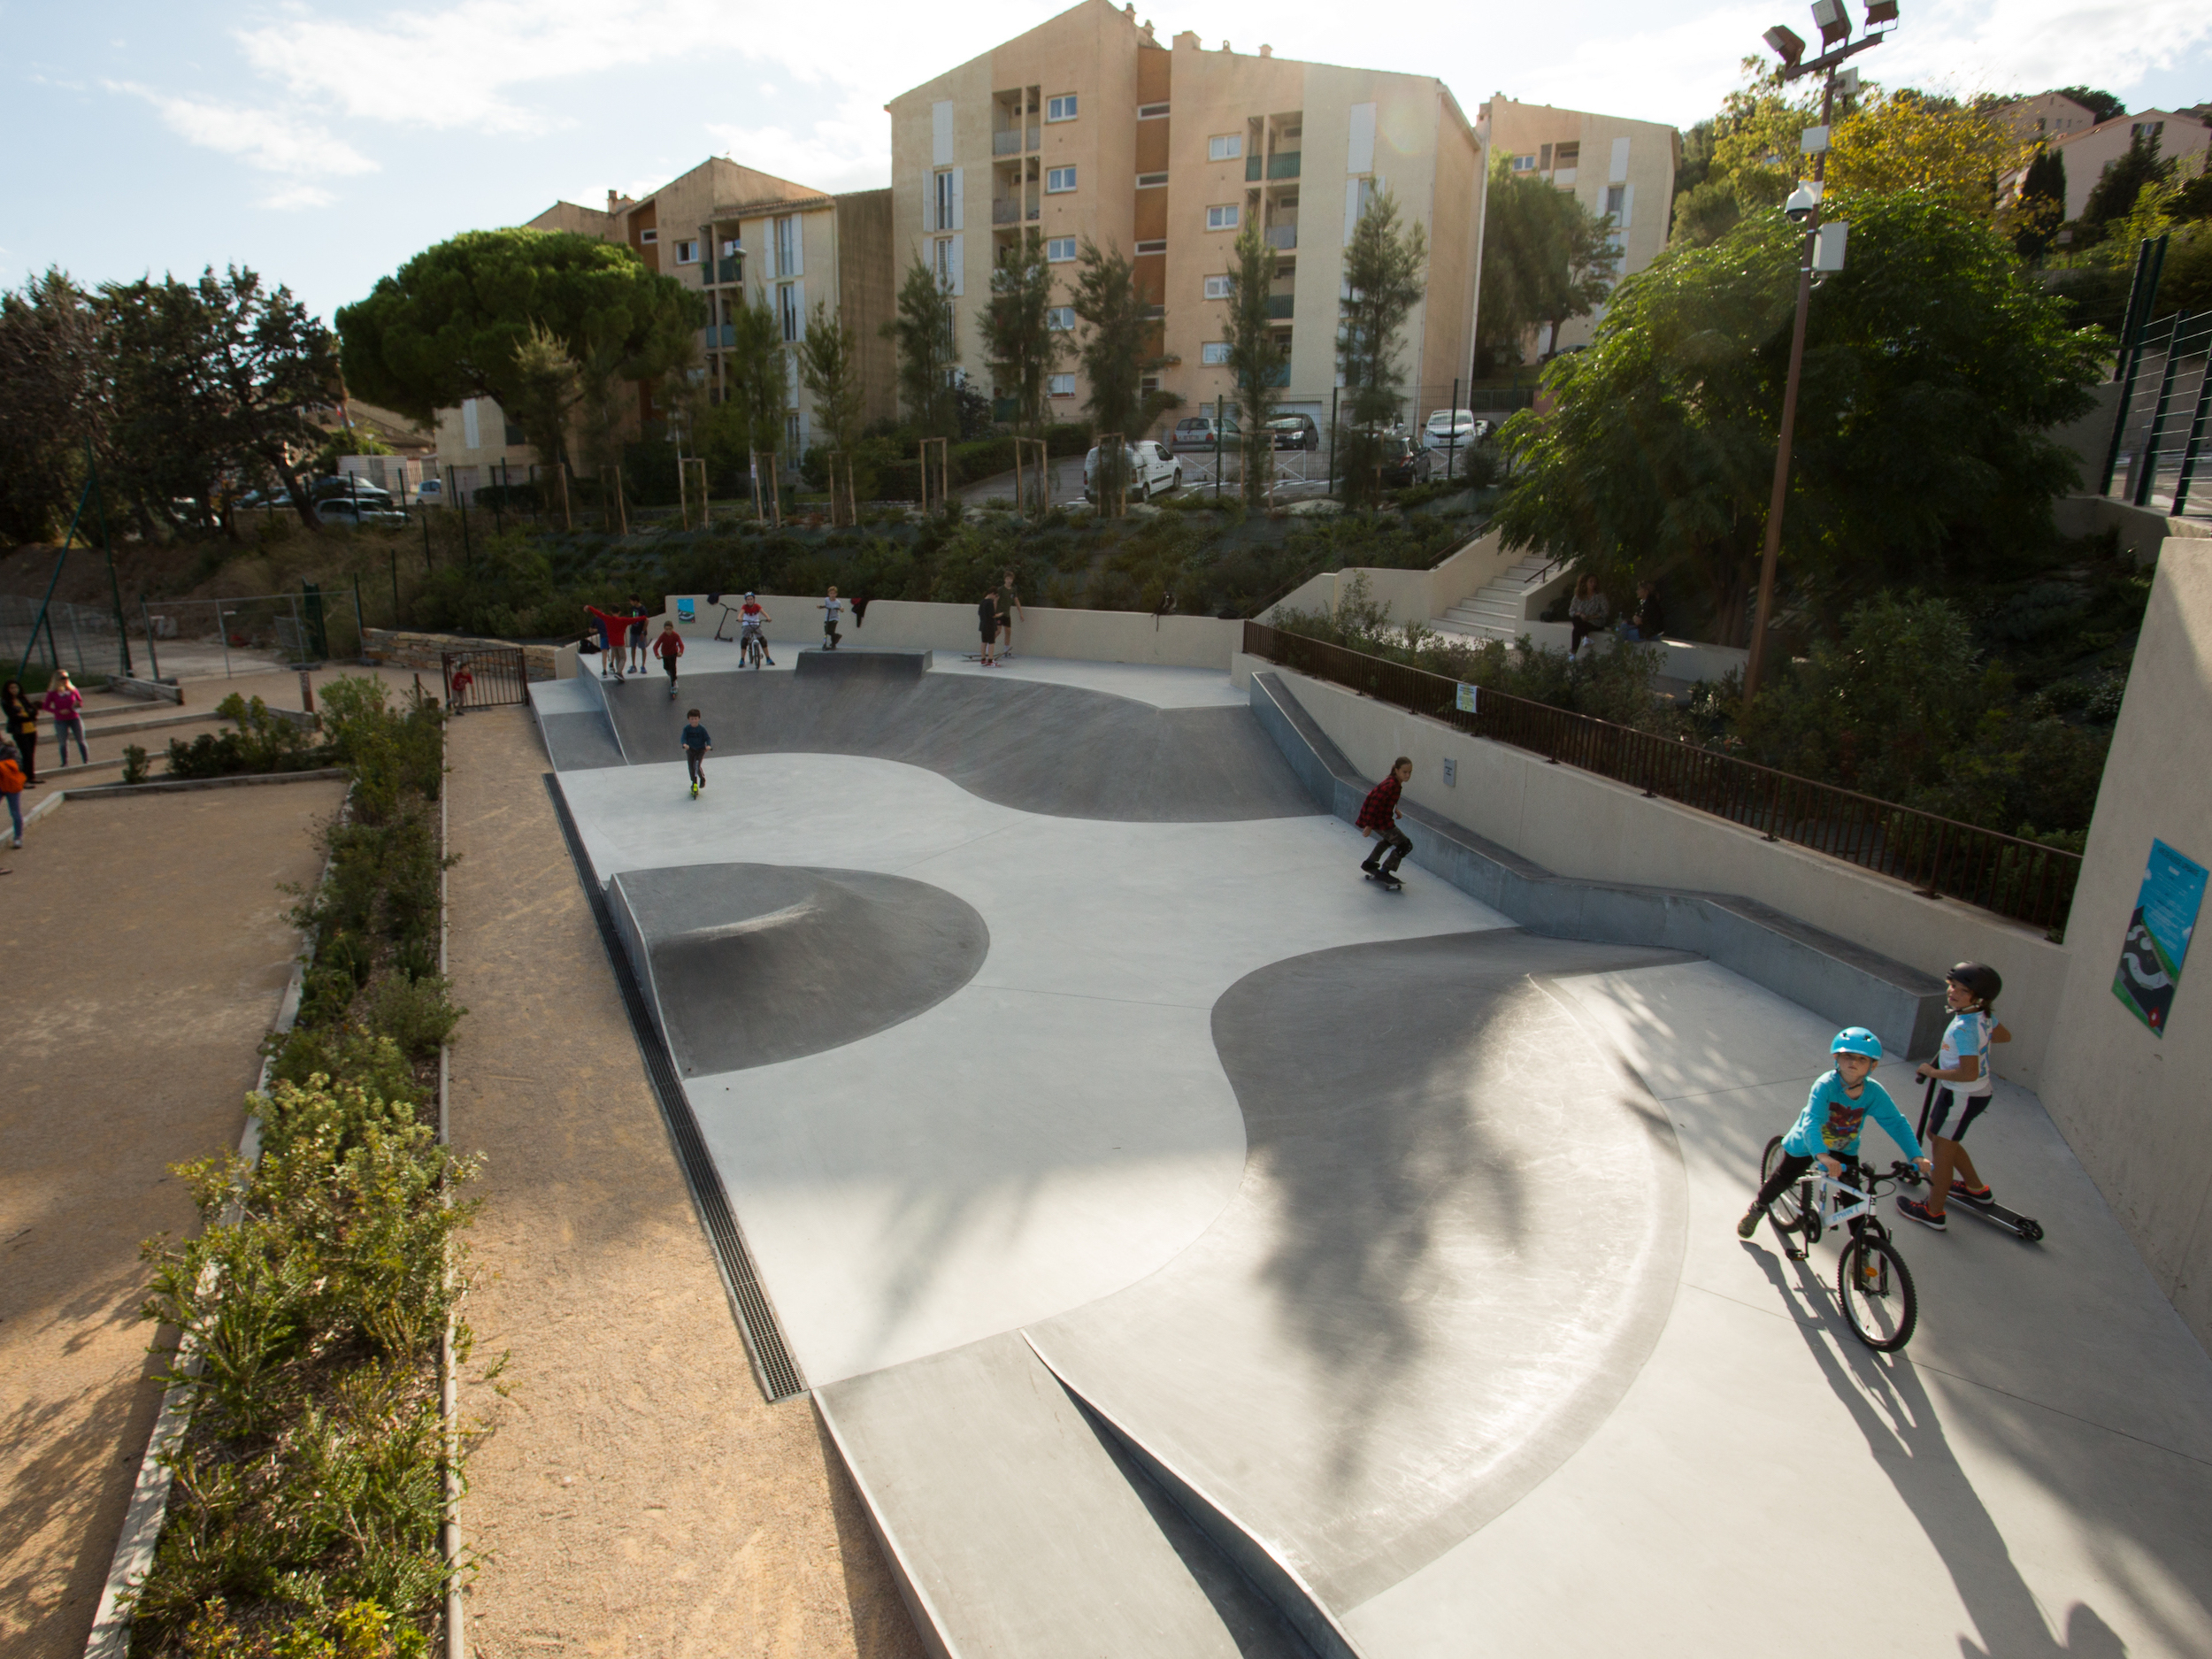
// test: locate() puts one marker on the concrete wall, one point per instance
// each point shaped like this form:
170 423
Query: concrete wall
1578 824
1090 636
2136 1107
2142 530
403 650
1412 595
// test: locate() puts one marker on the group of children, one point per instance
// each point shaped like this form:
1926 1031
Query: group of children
1827 1131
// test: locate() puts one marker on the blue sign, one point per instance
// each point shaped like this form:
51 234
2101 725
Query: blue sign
2157 941
1466 702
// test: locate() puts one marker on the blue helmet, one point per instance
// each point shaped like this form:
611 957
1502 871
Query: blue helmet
1856 1040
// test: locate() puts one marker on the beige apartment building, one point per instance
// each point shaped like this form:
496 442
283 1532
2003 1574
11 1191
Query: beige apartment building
1612 164
2174 135
2046 116
1088 128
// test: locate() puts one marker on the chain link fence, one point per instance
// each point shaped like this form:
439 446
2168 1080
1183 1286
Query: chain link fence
80 638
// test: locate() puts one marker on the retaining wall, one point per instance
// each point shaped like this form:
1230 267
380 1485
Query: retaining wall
403 650
1090 636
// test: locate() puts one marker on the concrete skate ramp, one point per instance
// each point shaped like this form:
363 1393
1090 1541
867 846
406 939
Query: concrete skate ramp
748 964
1455 1244
579 742
1055 749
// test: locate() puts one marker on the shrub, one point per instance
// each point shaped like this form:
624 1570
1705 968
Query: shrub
417 1015
261 741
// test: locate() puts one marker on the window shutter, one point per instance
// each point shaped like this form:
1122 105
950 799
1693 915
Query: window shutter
798 299
1618 173
1628 204
798 249
1351 209
468 422
959 267
959 199
1360 154
940 134
929 201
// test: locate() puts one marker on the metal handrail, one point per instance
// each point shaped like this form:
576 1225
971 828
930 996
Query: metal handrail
1939 857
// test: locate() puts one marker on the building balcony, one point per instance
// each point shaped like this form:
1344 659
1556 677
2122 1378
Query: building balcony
1280 305
1283 164
731 270
1006 210
724 335
1282 236
1008 142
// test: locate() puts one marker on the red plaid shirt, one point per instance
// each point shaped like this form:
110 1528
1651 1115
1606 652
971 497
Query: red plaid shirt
1381 808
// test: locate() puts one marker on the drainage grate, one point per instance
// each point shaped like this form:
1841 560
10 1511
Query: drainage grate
772 1364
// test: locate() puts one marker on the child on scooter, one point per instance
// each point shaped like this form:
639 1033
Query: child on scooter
1963 1078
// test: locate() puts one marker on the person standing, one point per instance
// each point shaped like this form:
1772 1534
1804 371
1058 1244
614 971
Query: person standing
1378 817
66 703
1010 604
987 623
668 645
21 715
458 691
614 633
12 788
637 635
830 608
1586 614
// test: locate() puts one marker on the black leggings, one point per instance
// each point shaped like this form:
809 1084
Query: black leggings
1788 1170
670 663
1394 841
696 760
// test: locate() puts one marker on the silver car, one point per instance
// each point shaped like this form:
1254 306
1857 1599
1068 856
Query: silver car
1151 470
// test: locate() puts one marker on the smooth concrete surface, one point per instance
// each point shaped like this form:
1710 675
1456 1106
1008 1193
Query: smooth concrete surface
860 662
1852 985
977 1459
1592 829
2132 1102
1394 1331
580 742
2028 1478
749 964
1059 749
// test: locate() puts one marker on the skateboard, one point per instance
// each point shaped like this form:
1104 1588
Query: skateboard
1391 882
672 691
2025 1228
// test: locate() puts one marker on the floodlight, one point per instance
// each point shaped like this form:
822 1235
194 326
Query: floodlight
1832 21
1786 43
1880 12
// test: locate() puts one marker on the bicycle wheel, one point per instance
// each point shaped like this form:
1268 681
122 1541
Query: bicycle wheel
1788 1211
1875 1287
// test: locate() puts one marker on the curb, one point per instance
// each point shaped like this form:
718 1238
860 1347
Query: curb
166 786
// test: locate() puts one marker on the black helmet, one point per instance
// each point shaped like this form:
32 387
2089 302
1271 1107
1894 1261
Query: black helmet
1980 978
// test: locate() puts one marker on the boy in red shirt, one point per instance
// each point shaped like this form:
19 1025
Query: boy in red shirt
1378 817
668 645
614 633
458 696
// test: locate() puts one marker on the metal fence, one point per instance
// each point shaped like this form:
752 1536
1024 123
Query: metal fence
2159 430
496 678
2022 879
81 638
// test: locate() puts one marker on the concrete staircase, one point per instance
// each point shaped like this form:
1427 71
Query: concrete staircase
1499 611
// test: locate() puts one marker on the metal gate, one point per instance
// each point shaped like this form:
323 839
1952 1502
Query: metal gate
483 676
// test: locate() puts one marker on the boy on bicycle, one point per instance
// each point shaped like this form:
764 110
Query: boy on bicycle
751 620
1828 1128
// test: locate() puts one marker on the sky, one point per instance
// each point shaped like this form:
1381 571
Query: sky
323 143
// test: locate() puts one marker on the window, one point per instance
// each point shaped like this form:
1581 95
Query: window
688 252
1060 318
1217 287
1567 155
1059 249
788 245
1222 217
941 261
1616 197
1060 386
1150 181
1062 108
1152 111
787 309
1214 351
1058 179
1152 247
732 247
792 441
1225 147
1524 164
1543 157
944 201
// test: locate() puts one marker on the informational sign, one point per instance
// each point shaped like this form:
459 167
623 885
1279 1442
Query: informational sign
2157 941
1466 700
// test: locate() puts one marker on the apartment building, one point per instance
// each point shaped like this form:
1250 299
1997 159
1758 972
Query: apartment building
2046 116
2089 154
1612 164
1088 128
743 237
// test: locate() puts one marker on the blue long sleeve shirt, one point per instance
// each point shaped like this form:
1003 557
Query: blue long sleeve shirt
1831 1120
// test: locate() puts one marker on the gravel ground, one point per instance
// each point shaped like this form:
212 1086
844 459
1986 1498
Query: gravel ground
147 950
635 1495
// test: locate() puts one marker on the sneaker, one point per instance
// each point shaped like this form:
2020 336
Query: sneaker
1967 1194
1749 1225
1921 1213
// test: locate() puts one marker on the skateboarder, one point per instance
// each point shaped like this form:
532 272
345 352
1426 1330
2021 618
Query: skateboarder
696 743
668 645
1378 817
637 635
1963 1077
614 631
830 607
1828 1129
1010 606
987 623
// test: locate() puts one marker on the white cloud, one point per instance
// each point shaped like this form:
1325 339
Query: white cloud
848 149
268 139
288 197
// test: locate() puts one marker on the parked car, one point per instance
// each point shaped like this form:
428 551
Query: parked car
338 509
1200 433
1452 429
1151 470
431 490
342 488
1405 462
1295 432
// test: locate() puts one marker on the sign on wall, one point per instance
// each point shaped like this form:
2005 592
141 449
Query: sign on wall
1466 701
2157 941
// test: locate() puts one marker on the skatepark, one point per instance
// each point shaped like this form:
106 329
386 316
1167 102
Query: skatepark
1192 1248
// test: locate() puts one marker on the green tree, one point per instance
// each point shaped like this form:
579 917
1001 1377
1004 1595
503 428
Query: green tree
543 391
1019 343
53 398
1932 378
1383 270
1545 260
453 322
2102 106
1116 352
927 349
2040 207
2112 199
214 382
1257 356
750 420
829 368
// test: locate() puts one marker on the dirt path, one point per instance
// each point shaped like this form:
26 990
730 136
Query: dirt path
148 946
637 1496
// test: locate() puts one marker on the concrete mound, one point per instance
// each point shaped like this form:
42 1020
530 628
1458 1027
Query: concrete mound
749 964
1059 750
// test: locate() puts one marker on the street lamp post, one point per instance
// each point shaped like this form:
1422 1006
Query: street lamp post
1804 206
